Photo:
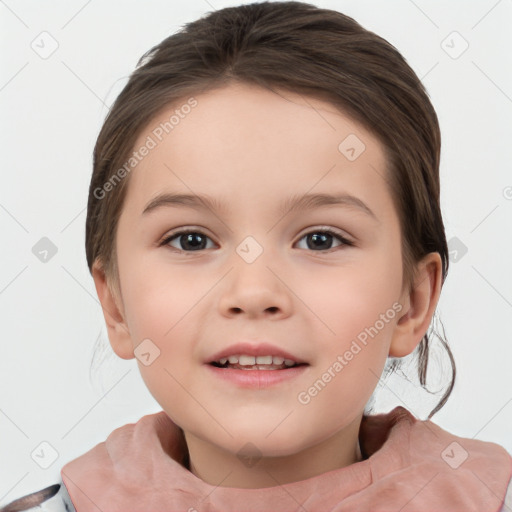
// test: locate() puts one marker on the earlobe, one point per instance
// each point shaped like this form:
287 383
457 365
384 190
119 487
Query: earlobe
118 333
419 305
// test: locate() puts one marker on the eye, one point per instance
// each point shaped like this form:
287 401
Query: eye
190 240
321 239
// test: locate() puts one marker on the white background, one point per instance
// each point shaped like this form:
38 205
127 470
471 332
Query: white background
52 110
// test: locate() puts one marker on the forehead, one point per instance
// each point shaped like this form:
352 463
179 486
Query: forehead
243 141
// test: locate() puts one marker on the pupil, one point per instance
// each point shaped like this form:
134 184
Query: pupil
319 239
188 240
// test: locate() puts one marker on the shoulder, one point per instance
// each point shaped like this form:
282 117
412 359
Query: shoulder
54 498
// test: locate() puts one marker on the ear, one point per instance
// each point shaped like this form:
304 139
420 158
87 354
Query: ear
419 305
118 332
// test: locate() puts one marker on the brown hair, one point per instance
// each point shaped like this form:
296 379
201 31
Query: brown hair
32 500
301 48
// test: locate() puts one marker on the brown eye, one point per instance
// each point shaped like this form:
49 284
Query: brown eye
322 240
188 241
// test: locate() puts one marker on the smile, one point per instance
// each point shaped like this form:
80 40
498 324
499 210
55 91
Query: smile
254 377
247 362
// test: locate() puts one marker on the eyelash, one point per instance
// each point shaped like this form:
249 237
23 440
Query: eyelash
328 231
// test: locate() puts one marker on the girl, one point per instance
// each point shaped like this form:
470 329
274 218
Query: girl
264 232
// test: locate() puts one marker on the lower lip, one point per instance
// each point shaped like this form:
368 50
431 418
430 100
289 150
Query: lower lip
257 379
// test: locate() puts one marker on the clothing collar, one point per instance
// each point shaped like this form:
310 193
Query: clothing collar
409 465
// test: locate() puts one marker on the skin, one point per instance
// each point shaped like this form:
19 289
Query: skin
251 148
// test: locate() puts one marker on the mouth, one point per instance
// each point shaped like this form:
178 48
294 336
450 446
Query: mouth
249 362
256 373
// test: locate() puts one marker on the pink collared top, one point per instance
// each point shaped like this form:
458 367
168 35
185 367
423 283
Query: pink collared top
409 465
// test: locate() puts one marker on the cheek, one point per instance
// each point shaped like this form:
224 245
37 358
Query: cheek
350 300
160 308
158 299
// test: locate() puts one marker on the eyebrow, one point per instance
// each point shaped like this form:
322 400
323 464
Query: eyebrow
294 203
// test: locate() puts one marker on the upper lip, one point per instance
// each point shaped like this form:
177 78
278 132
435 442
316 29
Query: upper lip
253 349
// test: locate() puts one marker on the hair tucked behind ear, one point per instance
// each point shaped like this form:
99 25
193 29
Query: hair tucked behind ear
301 48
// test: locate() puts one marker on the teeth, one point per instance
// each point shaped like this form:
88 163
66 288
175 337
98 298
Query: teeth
246 360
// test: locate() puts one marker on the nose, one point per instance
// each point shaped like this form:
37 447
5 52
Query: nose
256 290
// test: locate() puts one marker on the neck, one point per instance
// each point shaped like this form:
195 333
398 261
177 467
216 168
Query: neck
217 466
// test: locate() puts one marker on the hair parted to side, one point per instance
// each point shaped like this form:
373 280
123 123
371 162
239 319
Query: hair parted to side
296 47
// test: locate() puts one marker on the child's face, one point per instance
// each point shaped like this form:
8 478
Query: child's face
252 150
